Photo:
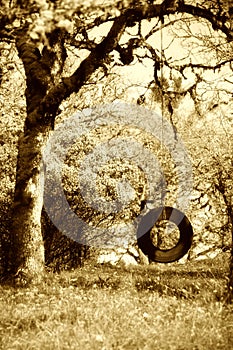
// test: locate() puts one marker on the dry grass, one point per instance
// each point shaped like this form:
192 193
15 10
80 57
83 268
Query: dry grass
102 307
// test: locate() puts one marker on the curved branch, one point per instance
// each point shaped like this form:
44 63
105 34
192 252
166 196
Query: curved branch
203 66
218 22
148 11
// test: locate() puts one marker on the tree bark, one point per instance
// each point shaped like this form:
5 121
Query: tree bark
229 298
227 198
27 241
28 248
230 281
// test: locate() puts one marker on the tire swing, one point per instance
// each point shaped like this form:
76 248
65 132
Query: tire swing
145 242
147 222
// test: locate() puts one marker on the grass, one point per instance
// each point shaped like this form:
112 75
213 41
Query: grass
174 306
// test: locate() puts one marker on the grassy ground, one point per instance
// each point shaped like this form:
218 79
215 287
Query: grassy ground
102 307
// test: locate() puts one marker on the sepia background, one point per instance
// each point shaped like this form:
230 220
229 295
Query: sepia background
65 58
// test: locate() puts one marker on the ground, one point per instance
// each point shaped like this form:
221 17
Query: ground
172 306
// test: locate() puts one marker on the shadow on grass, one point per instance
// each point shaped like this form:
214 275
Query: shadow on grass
193 274
203 281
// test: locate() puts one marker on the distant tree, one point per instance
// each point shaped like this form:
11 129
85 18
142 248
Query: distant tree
44 32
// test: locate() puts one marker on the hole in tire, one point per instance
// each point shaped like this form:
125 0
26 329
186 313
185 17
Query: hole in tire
164 235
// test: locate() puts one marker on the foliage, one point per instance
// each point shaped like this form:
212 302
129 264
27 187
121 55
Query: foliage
208 138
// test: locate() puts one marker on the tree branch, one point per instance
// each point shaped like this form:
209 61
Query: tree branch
218 22
203 66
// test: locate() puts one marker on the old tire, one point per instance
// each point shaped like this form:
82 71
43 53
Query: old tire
145 241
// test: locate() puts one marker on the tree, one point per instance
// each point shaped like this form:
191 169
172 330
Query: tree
43 32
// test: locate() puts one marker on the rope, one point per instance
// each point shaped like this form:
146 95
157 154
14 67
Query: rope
162 93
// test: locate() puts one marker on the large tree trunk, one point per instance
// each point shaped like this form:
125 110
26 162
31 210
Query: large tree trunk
230 277
230 282
27 241
28 248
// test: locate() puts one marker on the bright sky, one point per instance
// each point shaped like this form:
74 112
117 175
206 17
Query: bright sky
184 48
